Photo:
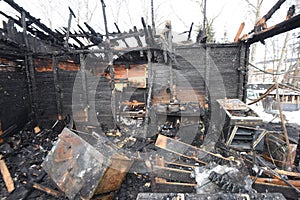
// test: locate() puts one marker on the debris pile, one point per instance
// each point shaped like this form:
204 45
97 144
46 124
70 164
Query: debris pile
23 152
136 138
213 178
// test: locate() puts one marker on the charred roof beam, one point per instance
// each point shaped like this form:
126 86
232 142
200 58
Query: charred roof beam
34 20
282 27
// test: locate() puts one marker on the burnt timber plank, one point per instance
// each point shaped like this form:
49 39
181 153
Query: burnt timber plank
164 186
184 149
6 176
57 88
173 174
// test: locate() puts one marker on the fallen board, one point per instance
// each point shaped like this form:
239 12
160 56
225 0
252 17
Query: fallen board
184 149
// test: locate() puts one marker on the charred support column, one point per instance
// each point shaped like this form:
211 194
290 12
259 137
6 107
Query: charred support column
84 86
214 90
152 18
104 17
207 68
150 78
113 92
57 88
170 52
30 71
243 75
69 26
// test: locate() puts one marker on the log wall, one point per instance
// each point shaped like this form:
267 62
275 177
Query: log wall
14 97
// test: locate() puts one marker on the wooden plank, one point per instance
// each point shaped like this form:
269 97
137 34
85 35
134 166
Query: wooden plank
47 190
84 84
173 174
184 149
288 192
57 88
177 147
237 36
163 186
295 183
180 165
114 174
139 42
160 161
1 140
287 173
9 183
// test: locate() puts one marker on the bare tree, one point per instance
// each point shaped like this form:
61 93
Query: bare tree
210 33
255 9
281 58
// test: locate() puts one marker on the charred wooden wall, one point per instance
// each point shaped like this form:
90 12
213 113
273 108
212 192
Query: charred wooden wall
47 93
216 63
224 70
198 72
202 71
15 105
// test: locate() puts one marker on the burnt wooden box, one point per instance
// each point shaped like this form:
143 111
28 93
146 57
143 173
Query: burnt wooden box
82 171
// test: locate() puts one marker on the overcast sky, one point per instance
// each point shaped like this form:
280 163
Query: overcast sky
227 14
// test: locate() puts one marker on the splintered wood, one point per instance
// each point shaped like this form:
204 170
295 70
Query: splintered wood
6 176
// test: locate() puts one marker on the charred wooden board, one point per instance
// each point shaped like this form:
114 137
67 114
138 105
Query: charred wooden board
184 149
162 185
6 176
173 174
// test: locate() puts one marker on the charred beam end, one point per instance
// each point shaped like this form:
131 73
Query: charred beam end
273 9
282 27
33 19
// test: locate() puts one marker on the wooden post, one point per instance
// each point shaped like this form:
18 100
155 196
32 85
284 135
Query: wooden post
57 88
170 52
241 28
207 69
145 31
1 140
84 86
138 40
104 17
150 78
69 26
30 70
152 18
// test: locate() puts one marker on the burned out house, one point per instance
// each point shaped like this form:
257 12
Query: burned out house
89 115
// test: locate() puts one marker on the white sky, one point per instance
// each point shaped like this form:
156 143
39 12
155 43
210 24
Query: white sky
228 14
